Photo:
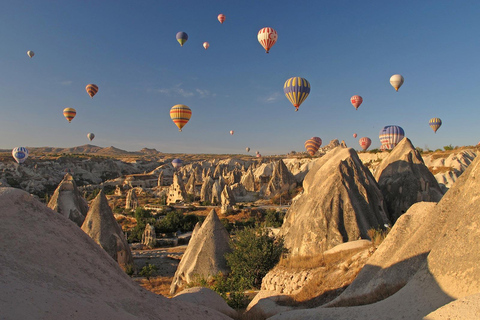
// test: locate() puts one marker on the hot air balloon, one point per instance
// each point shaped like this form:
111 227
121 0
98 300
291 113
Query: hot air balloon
177 163
296 90
356 101
182 37
258 155
232 132
312 145
354 135
30 53
435 123
257 152
92 89
90 136
267 37
365 143
396 81
248 149
20 154
221 18
180 115
206 45
69 113
390 136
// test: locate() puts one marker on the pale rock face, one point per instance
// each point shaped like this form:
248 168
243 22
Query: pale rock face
176 192
206 192
68 201
149 237
160 179
248 180
190 186
131 201
404 180
282 180
227 199
206 297
101 226
205 254
340 203
217 189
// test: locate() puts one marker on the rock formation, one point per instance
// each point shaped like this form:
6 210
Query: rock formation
227 200
205 254
206 192
101 226
149 237
217 189
160 179
176 192
64 274
68 201
131 201
118 191
404 180
190 186
340 203
248 180
206 297
282 180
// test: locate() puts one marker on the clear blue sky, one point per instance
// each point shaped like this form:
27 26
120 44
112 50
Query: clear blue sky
128 48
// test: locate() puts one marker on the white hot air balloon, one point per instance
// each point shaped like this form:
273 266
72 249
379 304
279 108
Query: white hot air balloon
206 45
30 53
248 149
396 81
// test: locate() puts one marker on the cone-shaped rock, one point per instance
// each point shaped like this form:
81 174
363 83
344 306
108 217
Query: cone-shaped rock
404 180
101 226
217 189
228 200
206 191
340 203
176 192
282 180
131 201
205 254
190 186
248 180
149 237
53 270
68 201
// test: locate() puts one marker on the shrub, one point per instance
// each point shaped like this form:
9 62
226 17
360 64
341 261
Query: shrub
447 148
129 269
148 271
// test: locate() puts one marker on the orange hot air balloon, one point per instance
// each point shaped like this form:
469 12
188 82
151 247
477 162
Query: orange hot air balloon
206 45
69 113
221 18
267 38
312 145
180 115
354 135
356 101
92 89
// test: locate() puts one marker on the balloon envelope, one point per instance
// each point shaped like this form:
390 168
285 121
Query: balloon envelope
267 38
396 81
354 135
435 123
390 136
296 90
248 149
30 53
232 132
206 45
356 101
177 163
312 145
20 154
92 89
182 37
365 143
180 115
258 155
221 18
90 136
69 113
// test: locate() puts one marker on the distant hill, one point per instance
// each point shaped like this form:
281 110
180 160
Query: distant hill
89 149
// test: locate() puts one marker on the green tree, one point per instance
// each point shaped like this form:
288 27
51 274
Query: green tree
254 253
149 271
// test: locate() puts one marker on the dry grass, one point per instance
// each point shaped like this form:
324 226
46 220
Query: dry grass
158 285
435 170
381 293
377 235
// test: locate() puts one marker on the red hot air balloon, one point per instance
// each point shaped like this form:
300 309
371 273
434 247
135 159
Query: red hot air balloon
221 18
365 143
356 101
267 38
354 135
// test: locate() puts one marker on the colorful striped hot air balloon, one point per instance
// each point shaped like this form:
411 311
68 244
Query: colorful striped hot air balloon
180 115
312 145
206 45
365 143
92 89
69 113
296 90
221 18
267 38
390 136
356 101
396 81
177 163
20 154
182 37
435 123
30 53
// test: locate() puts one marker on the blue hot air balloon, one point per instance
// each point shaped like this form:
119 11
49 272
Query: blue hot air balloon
182 37
390 136
296 90
177 163
20 154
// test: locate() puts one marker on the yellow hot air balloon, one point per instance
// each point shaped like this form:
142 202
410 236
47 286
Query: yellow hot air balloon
69 113
180 115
